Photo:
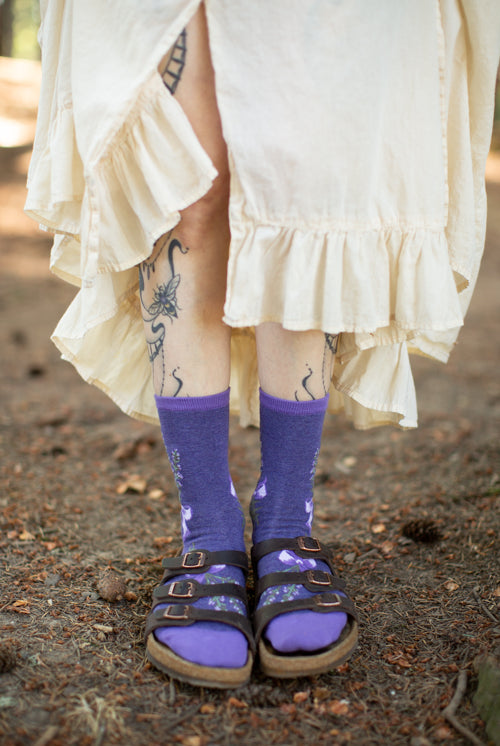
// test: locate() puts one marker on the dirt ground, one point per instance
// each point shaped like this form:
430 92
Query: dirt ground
83 488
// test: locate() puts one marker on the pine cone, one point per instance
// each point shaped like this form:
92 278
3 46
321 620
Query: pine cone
423 530
8 658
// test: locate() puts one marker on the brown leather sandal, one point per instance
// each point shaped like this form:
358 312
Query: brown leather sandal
179 612
329 598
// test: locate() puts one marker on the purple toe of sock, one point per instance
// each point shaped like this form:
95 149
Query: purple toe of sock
304 630
207 643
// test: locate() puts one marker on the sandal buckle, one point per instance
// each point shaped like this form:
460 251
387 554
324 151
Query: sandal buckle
318 577
194 560
328 599
176 611
308 544
181 589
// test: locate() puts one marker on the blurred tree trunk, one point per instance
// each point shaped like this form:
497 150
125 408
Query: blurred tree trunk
6 23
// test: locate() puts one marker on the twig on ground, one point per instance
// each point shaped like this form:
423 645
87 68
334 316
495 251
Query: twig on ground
46 736
450 710
484 607
171 724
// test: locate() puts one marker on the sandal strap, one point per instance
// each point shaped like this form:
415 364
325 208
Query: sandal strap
306 547
323 603
316 581
197 561
183 615
189 591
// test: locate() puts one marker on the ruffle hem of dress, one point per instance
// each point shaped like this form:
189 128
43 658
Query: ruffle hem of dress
108 209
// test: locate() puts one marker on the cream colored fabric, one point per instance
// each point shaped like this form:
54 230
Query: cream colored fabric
357 133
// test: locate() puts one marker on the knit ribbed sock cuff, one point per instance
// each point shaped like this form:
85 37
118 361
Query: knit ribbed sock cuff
192 403
287 406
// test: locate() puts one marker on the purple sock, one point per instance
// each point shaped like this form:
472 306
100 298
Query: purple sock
282 507
195 433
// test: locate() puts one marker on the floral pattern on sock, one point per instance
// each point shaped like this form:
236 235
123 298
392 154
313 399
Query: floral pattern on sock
309 506
289 562
186 515
216 574
175 462
312 473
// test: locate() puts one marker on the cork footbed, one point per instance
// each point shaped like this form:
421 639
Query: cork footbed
179 668
284 666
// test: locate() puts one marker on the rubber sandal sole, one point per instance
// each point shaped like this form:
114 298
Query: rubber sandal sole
280 666
193 673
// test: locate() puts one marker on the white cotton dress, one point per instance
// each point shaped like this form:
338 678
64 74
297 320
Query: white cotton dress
357 133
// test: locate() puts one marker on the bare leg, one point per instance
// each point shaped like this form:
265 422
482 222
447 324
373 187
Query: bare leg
183 283
183 287
294 365
295 371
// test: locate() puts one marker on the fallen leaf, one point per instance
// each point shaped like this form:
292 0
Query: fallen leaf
320 693
299 697
343 668
496 592
387 547
191 741
450 585
443 733
288 709
125 451
398 659
40 577
26 536
155 494
378 528
207 709
160 541
134 483
234 702
339 707
20 607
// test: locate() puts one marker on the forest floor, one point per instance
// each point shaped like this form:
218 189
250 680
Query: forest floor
84 489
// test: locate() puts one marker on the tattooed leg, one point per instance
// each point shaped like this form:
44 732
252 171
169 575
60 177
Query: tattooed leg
182 292
182 289
295 371
159 304
175 63
294 365
183 282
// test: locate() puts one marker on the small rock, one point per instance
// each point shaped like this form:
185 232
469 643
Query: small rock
349 557
111 587
52 579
